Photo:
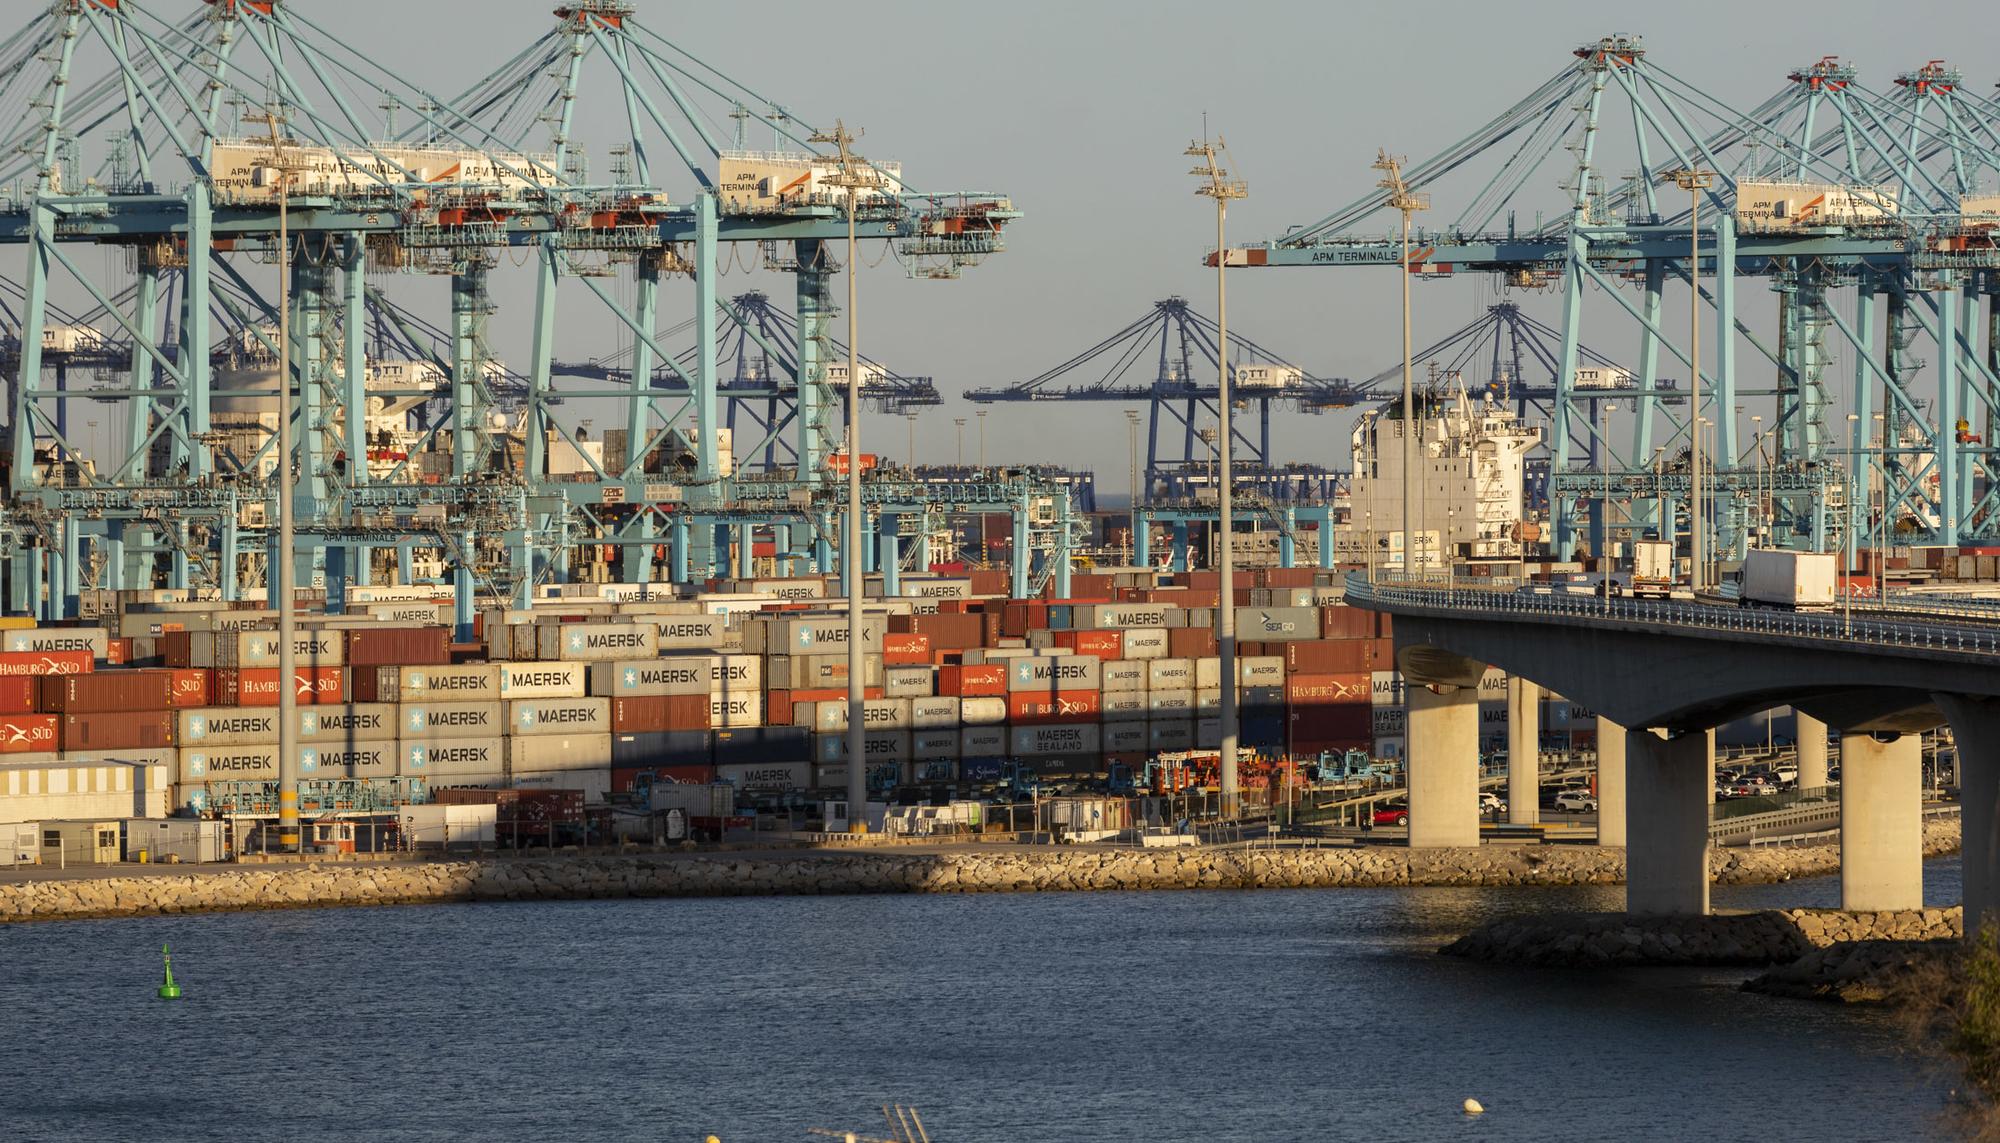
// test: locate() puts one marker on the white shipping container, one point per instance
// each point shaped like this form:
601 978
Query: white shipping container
1170 675
1493 685
1261 671
1101 616
940 769
1171 734
1055 672
559 716
1385 688
879 745
1208 701
982 711
735 674
1123 703
1170 701
356 722
208 727
1128 675
451 720
442 826
885 714
1145 643
96 640
690 632
542 680
467 683
908 682
544 752
432 758
934 713
595 642
416 613
1207 733
635 678
260 649
1276 624
736 711
936 588
814 636
1207 673
1390 720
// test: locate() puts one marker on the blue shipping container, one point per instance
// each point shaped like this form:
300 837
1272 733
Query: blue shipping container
663 748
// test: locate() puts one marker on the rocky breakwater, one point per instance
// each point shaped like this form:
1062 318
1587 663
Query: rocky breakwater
1775 937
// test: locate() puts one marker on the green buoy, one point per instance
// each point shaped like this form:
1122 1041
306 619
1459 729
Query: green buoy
169 990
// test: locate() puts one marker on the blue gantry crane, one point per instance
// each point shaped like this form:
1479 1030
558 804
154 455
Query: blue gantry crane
1825 187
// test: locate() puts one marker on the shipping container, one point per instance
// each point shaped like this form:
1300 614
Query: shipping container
211 727
1327 690
1125 738
691 632
934 713
984 680
115 730
766 776
452 720
879 745
433 758
1145 643
1122 675
982 711
762 744
464 683
398 647
258 686
663 748
542 680
595 642
41 640
260 649
1054 739
1170 734
29 734
545 752
35 664
659 712
559 716
105 691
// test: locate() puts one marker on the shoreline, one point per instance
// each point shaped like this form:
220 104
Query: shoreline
852 871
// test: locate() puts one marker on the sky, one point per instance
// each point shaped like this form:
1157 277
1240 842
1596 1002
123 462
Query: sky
1081 111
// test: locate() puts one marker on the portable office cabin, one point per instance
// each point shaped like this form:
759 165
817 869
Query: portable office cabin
82 841
176 840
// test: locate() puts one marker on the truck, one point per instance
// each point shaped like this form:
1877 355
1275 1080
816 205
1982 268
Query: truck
1793 581
1653 569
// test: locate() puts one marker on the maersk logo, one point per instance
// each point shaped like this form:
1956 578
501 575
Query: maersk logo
308 761
662 676
416 759
197 726
416 682
558 715
534 679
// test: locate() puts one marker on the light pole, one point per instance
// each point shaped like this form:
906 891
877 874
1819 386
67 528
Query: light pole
1132 435
1402 199
1763 502
912 419
1216 184
853 175
960 422
1694 181
1847 568
280 590
982 437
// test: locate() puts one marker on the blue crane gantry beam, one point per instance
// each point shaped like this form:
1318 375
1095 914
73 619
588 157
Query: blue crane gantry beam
166 136
1826 185
1168 358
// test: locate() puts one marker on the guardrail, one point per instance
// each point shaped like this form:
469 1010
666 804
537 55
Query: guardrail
1497 598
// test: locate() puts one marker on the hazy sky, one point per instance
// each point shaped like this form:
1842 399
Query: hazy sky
1080 111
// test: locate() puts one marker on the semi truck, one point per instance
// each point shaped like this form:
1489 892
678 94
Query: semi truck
1653 569
1793 581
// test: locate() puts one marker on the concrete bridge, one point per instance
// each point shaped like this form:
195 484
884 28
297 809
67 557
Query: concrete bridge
1661 675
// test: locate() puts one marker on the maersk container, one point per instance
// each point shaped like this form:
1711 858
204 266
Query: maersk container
1125 738
811 636
1174 734
431 758
1123 704
260 649
735 674
202 765
595 642
1208 701
1801 581
923 771
879 746
1121 675
96 640
933 745
1053 739
680 675
559 716
934 713
766 776
1170 675
737 710
1208 673
1111 615
558 752
467 683
1207 733
348 760
355 722
982 742
663 748
1385 688
1180 702
541 680
213 727
691 632
908 682
1145 643
451 720
1261 671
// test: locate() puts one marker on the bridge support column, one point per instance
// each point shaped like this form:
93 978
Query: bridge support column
1666 823
1811 737
1975 724
1611 816
1443 764
1524 751
1881 822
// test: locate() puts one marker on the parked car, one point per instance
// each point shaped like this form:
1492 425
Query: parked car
1392 814
1576 802
1490 803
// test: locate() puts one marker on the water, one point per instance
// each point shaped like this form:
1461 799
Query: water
1287 1015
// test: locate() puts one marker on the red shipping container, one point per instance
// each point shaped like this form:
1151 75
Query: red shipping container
990 581
187 686
980 680
1327 690
118 730
17 695
258 686
1061 706
35 664
659 712
1332 657
625 779
906 650
777 708
1192 643
117 651
1343 622
30 733
398 647
104 691
1106 645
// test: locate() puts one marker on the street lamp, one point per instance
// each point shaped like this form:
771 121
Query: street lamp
1694 181
982 437
912 419
1216 184
1402 199
1132 435
853 174
279 588
960 422
1847 568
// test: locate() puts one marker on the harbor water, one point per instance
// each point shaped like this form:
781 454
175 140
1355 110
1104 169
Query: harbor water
1212 1016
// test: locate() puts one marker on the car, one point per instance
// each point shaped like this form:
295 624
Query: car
1394 815
1490 803
1576 802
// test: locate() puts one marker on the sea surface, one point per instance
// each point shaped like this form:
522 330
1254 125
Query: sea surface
1210 1016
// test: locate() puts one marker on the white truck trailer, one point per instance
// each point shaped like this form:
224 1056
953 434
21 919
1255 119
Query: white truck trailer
1795 581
